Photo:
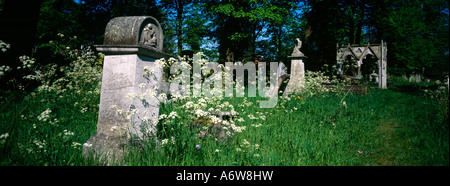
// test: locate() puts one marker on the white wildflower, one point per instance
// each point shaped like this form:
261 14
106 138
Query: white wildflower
250 116
75 144
215 119
3 138
245 143
68 133
257 125
160 63
172 139
262 117
162 116
162 96
173 114
201 113
5 135
256 146
164 141
240 120
44 116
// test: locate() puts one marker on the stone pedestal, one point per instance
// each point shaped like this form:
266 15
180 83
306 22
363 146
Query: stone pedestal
297 80
128 110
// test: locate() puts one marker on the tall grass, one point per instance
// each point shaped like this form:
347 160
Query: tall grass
407 124
385 127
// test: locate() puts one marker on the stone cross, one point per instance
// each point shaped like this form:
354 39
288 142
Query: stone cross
129 109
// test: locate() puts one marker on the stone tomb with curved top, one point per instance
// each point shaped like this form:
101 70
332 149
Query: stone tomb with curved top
131 45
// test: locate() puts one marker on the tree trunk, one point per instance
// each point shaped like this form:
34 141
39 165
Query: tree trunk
253 42
351 32
180 6
359 26
279 42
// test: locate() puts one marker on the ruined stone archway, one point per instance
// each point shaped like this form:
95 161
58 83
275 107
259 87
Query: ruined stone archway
359 53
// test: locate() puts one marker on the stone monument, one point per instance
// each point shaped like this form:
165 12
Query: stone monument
358 53
131 47
297 76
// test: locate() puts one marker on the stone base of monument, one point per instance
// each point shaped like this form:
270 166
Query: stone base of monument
297 76
106 149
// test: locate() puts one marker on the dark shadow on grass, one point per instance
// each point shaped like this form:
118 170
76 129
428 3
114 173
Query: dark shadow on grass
412 88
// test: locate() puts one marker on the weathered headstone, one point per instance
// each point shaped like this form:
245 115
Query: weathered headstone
373 76
412 78
297 80
418 78
131 47
415 78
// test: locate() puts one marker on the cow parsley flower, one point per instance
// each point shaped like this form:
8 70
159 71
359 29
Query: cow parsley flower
173 114
44 116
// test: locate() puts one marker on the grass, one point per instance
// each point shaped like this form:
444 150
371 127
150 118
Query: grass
385 127
36 142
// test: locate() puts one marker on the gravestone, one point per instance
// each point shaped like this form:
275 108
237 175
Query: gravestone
131 47
373 76
297 76
415 78
412 78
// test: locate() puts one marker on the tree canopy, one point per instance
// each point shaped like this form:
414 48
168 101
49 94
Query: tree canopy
416 31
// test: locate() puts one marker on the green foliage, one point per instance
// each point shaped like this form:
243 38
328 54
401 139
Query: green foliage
247 28
416 31
186 26
418 34
49 125
58 16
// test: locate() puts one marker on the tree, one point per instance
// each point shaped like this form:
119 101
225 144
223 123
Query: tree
242 26
176 7
18 28
58 16
187 24
282 33
95 14
323 29
418 34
